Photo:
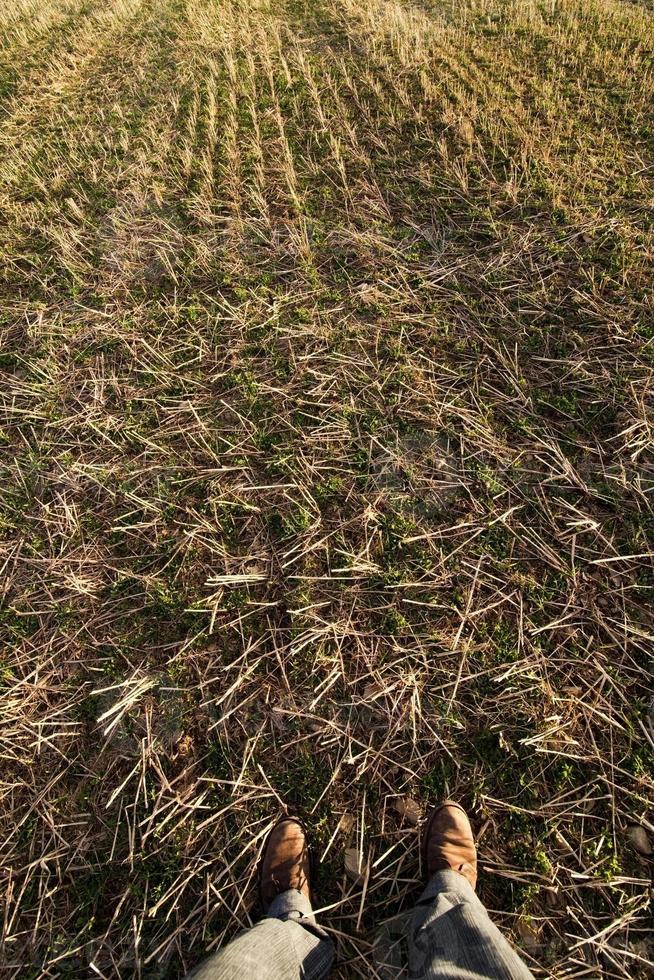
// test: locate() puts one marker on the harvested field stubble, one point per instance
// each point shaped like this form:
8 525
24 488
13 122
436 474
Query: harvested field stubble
326 356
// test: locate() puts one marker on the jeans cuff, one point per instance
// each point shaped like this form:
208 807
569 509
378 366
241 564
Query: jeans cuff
448 881
291 904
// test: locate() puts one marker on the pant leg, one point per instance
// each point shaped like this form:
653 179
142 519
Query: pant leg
452 938
286 945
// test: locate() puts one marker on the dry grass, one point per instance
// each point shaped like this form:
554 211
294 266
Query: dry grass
326 452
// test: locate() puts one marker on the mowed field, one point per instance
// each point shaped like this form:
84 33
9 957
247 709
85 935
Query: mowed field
326 406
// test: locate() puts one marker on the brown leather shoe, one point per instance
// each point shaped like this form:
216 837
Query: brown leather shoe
285 862
448 842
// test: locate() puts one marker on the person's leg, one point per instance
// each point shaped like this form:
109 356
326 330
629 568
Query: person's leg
451 936
287 944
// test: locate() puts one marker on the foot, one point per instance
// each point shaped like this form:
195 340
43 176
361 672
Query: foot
448 842
285 862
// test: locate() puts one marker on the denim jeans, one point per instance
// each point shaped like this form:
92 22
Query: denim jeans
448 936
